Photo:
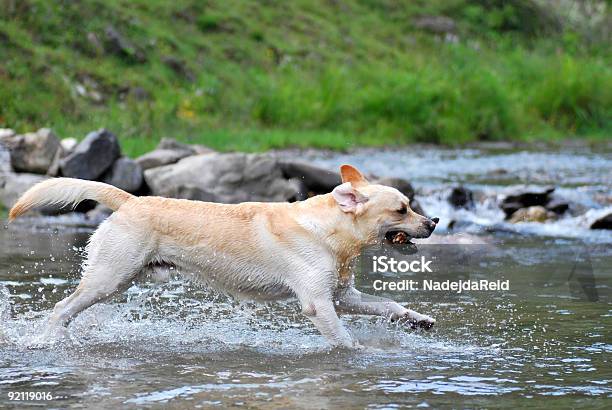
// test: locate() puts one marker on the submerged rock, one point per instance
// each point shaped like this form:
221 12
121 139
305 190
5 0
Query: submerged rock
33 152
513 203
558 206
461 197
231 178
125 173
92 157
531 214
604 222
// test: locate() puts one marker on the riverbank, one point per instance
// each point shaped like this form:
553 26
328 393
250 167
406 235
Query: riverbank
253 77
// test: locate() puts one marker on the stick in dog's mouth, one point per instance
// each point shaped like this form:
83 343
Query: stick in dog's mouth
397 237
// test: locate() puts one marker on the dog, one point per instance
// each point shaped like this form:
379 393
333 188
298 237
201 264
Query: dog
252 250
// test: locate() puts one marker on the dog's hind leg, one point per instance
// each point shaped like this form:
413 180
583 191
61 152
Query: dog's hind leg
115 256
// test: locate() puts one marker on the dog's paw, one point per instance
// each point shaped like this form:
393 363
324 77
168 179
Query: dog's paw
415 320
424 322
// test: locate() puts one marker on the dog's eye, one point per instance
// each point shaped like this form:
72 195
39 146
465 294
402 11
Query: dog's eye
402 210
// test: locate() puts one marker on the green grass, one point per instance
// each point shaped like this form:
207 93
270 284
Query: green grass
272 74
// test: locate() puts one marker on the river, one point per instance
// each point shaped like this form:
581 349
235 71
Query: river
544 342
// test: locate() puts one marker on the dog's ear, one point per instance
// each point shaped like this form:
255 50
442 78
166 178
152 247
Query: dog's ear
348 198
351 174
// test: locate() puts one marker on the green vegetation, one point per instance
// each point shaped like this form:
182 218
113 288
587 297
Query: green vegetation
255 75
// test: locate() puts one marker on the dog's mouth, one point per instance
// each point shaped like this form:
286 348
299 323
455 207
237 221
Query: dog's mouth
401 238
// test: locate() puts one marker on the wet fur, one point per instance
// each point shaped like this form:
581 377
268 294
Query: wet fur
262 251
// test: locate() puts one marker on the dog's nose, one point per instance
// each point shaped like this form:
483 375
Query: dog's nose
435 220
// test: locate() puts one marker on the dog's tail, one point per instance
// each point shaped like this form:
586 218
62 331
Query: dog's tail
68 191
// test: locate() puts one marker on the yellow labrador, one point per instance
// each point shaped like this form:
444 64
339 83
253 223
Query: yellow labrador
262 251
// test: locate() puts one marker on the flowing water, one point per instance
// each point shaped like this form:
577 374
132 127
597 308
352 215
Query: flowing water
545 341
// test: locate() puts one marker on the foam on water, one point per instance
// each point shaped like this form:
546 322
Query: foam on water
582 177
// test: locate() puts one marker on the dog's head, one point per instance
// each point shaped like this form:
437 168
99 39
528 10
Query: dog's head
379 212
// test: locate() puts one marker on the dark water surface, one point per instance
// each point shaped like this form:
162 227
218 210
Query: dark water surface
544 342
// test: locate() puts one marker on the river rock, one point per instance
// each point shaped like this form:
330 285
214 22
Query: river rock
13 185
531 214
5 160
6 133
92 157
169 151
125 173
604 222
160 157
69 144
461 197
558 206
514 202
32 152
98 214
231 178
316 180
192 149
191 192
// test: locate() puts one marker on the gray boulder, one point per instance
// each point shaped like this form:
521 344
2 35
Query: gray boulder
125 173
194 193
316 180
32 152
98 214
160 157
5 160
169 151
13 185
92 157
230 178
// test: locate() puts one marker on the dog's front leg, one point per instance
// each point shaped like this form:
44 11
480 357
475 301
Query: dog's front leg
350 300
321 311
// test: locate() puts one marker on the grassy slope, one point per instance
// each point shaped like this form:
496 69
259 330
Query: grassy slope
311 73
